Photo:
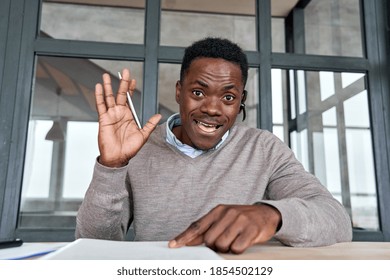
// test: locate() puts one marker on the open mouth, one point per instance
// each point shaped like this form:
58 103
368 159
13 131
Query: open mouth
208 128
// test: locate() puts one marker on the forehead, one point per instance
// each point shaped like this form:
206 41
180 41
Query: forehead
213 66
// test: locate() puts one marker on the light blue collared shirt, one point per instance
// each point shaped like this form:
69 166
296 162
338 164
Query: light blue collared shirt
175 120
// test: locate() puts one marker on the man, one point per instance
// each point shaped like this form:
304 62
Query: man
200 177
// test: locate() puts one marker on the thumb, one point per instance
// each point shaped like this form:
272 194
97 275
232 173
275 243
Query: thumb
150 125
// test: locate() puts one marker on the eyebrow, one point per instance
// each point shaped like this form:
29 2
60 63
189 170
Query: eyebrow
204 84
228 87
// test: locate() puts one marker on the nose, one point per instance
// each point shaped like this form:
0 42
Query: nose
211 106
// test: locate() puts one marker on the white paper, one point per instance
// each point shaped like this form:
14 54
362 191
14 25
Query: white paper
94 249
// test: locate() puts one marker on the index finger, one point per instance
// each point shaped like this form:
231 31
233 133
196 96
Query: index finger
194 232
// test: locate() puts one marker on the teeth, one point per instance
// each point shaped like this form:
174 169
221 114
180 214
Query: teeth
206 125
209 128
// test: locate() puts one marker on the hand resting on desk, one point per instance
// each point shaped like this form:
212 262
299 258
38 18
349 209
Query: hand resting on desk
231 228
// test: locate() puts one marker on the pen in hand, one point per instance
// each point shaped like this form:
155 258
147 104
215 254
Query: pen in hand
131 105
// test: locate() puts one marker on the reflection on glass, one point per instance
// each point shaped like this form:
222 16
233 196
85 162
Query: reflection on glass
291 83
360 161
80 154
39 153
168 75
332 161
278 130
333 28
364 212
278 35
277 96
183 22
350 78
332 138
326 84
356 111
301 85
279 110
252 100
57 171
299 145
329 117
101 22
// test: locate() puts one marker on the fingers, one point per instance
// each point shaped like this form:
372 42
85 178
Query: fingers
150 125
126 84
109 96
244 240
220 228
231 228
196 241
191 236
195 232
99 98
104 95
237 237
132 86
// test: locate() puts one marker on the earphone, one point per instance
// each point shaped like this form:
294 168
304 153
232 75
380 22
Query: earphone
242 106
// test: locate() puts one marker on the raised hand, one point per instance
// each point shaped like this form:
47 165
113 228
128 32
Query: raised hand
119 137
231 228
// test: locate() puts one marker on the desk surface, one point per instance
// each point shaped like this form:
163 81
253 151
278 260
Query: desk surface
268 251
340 251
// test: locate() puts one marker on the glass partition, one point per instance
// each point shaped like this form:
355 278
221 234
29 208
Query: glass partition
62 137
333 28
101 21
183 22
330 133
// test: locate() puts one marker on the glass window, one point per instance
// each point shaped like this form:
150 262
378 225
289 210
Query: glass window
39 154
183 22
168 75
101 21
62 137
252 100
332 135
80 156
333 28
279 108
278 35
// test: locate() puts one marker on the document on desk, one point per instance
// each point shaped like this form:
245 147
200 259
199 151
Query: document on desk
95 249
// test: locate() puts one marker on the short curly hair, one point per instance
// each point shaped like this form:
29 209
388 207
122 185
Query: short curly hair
215 48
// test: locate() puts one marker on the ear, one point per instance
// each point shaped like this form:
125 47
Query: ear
244 95
243 99
178 90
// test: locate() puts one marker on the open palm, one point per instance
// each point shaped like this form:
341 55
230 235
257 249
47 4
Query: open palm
119 136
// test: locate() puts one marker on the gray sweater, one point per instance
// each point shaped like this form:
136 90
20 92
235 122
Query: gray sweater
162 191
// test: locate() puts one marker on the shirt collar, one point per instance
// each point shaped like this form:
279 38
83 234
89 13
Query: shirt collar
175 120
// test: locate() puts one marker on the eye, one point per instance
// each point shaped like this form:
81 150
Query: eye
229 97
197 93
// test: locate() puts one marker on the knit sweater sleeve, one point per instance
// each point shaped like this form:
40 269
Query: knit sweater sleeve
105 212
310 214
